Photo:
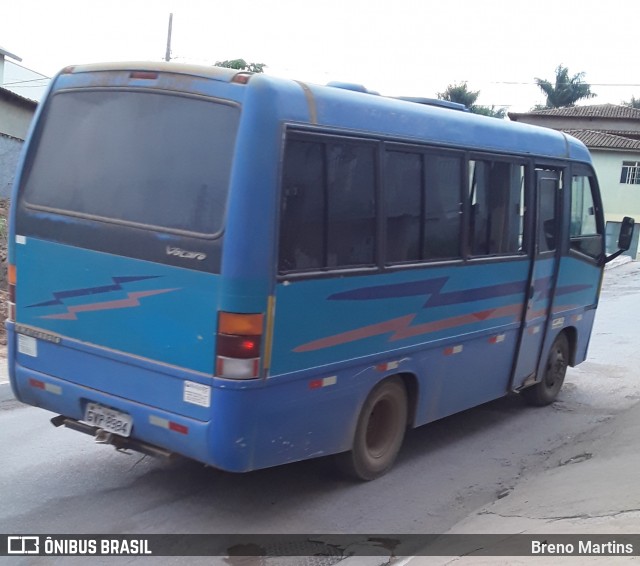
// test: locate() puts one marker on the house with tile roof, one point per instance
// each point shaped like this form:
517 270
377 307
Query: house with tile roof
612 134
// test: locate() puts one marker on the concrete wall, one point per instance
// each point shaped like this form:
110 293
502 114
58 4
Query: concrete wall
16 114
9 153
15 117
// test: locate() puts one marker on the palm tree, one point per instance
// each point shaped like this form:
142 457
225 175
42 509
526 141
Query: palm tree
633 103
567 90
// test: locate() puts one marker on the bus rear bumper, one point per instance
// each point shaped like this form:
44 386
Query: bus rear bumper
154 431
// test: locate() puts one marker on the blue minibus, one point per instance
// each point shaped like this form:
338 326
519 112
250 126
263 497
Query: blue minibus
248 271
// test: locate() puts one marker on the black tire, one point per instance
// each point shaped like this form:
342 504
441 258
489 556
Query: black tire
546 391
379 432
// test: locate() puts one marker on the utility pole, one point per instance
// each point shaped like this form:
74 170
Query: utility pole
167 56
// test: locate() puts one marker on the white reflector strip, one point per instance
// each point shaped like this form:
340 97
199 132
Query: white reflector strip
56 389
453 350
324 382
158 421
169 425
497 339
388 366
50 387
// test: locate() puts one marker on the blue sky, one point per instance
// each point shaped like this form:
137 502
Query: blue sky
397 47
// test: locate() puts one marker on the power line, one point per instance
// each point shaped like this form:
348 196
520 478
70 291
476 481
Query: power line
565 84
25 81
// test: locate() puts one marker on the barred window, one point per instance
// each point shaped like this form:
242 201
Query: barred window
630 173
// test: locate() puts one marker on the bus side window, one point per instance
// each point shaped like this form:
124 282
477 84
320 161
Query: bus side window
422 203
496 204
549 183
442 220
351 204
585 235
303 207
403 197
328 210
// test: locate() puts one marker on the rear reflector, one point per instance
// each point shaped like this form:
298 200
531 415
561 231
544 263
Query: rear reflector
50 387
169 425
148 75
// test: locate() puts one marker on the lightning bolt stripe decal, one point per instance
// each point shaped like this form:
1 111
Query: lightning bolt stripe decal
400 328
73 293
132 300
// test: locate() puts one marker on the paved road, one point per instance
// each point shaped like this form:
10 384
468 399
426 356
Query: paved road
59 480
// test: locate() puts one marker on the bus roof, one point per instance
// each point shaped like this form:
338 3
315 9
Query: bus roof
342 107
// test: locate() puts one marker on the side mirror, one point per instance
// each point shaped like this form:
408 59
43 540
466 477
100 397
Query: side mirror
624 240
626 233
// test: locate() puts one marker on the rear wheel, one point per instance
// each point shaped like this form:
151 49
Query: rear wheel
379 432
546 391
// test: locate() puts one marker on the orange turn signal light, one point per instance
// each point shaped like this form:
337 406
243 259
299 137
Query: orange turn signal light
240 324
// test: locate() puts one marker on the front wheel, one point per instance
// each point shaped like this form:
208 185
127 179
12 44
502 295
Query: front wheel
379 432
546 391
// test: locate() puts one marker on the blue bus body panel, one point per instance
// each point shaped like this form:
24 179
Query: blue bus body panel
577 296
154 311
323 321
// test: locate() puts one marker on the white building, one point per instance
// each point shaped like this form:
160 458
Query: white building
612 134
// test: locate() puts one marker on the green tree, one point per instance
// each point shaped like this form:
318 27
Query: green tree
461 94
566 90
490 111
242 65
633 103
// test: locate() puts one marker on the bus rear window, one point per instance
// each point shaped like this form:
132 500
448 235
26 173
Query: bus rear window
149 159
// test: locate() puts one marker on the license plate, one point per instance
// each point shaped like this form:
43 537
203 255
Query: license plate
108 419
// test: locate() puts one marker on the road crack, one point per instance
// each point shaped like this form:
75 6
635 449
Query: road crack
584 516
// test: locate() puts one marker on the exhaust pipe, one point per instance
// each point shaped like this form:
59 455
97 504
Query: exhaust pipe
102 436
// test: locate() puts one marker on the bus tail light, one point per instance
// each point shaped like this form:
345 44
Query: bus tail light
12 276
238 345
241 78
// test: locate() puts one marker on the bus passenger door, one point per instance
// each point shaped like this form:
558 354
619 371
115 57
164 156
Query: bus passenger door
543 275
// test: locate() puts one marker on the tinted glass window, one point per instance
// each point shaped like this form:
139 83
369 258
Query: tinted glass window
135 157
496 207
403 205
328 205
442 220
548 186
351 205
585 235
303 207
